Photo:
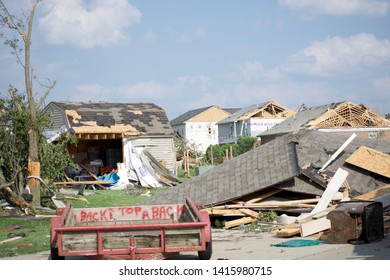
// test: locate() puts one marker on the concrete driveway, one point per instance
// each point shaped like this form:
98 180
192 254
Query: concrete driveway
235 244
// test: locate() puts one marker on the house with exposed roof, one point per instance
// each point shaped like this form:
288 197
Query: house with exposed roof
105 131
199 127
342 118
251 121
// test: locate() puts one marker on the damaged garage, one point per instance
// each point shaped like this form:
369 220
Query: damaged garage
106 130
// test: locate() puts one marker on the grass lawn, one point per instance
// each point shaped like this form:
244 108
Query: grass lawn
37 230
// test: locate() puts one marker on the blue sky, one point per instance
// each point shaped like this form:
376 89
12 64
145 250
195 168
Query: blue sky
184 55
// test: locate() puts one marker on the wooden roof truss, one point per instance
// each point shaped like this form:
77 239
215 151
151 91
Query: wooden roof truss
347 115
270 111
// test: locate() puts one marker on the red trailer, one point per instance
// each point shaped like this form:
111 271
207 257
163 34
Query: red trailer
131 232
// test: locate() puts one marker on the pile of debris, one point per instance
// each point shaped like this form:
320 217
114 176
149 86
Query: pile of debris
309 178
141 169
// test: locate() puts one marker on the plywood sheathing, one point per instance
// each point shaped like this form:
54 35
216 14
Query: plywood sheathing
212 114
348 114
371 160
384 190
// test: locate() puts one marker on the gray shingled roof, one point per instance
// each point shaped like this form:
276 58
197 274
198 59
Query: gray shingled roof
188 115
276 164
299 120
146 118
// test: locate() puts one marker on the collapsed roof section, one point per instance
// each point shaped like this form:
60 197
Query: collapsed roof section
279 164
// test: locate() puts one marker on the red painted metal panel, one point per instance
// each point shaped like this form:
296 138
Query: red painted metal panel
202 223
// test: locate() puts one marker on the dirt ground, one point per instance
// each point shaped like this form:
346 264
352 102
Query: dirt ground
235 244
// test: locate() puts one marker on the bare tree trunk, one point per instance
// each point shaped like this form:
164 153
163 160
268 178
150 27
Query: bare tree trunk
33 159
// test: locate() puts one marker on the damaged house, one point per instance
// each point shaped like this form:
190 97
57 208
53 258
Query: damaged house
251 121
108 132
284 175
343 118
280 164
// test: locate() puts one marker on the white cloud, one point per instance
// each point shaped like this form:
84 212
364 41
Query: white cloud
339 7
337 55
99 23
198 34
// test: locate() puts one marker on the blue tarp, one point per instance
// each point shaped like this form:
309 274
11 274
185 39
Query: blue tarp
298 243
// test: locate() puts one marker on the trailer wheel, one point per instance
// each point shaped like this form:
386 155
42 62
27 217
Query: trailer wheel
54 251
206 255
54 254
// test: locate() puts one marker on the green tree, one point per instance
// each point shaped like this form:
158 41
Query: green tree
218 152
22 28
246 143
55 157
13 144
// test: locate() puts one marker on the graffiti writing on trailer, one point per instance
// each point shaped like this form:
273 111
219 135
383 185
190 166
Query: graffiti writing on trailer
160 212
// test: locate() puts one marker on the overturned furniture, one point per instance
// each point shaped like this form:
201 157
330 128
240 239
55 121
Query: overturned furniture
356 222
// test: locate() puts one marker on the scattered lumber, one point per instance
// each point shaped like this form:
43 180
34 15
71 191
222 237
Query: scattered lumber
264 196
314 226
10 239
238 222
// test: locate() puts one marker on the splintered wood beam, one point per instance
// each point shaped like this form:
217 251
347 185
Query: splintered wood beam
224 212
288 232
291 203
250 213
10 239
238 222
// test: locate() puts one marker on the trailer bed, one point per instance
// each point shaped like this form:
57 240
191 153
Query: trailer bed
132 232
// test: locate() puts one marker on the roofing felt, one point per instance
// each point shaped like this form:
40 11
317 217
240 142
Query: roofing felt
276 164
299 120
140 118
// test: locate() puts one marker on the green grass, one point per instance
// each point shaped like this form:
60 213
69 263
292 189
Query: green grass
111 198
37 236
37 230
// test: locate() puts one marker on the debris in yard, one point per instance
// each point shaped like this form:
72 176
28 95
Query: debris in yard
25 246
298 243
357 222
296 176
11 239
11 227
12 234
